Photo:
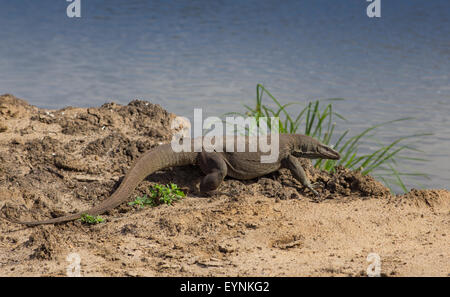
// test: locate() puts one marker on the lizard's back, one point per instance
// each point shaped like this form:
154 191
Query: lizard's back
250 162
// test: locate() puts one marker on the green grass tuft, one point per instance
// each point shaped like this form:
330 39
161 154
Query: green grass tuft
317 119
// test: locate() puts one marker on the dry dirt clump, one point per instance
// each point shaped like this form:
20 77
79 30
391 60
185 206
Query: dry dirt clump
54 162
430 198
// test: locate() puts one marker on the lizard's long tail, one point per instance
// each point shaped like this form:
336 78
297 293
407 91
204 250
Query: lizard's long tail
153 160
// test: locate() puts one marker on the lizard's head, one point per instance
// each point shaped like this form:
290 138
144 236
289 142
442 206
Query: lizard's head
314 149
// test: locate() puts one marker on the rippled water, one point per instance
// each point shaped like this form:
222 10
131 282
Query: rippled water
211 54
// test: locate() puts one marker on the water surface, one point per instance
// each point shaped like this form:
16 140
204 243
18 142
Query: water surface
211 54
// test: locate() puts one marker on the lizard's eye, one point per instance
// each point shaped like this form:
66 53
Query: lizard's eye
304 148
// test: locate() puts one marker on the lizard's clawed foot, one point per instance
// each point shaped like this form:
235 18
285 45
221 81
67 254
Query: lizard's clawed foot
207 194
311 188
317 196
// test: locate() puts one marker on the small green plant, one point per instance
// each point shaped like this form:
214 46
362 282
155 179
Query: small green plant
318 122
159 194
88 219
142 201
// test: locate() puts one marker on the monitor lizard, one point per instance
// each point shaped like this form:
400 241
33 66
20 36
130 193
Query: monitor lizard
215 165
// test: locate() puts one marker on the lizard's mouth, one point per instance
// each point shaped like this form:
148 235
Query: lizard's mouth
320 152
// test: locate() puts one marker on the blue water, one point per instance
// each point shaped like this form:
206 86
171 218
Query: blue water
211 54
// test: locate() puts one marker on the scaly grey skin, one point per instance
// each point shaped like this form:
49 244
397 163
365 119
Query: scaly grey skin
215 166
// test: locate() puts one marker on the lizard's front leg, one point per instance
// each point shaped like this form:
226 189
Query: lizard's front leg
297 171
